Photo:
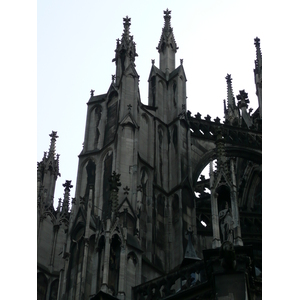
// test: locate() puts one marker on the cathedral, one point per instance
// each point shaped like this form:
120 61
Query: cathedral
144 223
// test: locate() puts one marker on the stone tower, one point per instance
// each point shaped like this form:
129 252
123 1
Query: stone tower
135 217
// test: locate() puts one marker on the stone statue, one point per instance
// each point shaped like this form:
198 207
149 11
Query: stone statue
226 224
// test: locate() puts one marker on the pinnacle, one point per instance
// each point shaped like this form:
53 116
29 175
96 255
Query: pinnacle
230 97
258 51
167 36
53 136
167 18
126 43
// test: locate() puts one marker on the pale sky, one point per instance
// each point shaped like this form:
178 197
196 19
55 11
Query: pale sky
76 42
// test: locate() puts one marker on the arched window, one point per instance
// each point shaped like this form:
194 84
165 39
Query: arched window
42 284
114 264
91 174
54 290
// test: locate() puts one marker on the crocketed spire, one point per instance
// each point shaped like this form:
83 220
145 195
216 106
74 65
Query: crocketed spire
167 37
126 45
230 96
125 51
258 61
231 111
53 136
258 74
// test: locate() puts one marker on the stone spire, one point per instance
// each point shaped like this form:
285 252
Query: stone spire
230 96
167 46
125 50
258 61
258 74
53 136
231 111
47 172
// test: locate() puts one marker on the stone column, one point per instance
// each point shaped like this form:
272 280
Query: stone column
104 286
86 241
216 242
63 284
60 283
56 228
122 283
235 209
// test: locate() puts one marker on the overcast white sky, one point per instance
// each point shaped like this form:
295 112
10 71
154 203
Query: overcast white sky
75 47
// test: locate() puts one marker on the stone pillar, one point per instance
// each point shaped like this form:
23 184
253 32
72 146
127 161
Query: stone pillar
84 264
216 242
60 283
122 279
63 284
86 241
95 272
104 286
235 209
56 228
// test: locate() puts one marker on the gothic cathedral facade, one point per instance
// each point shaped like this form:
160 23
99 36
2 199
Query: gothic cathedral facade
142 218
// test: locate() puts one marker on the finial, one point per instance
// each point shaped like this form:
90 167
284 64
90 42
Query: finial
92 92
126 190
67 185
228 78
243 99
129 106
181 61
153 61
257 42
167 12
126 27
167 18
126 21
113 77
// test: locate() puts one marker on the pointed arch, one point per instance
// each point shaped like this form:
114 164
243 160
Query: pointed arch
42 284
54 289
132 269
100 252
114 264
